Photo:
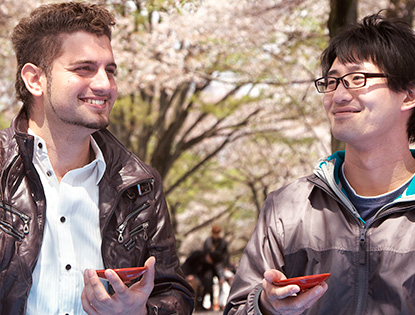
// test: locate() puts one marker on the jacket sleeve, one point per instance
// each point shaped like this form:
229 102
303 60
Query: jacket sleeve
171 293
262 253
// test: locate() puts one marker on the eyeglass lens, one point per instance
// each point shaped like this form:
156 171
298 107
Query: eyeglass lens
350 81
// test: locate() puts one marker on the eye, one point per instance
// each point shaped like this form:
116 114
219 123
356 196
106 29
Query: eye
84 69
358 78
331 81
112 71
322 83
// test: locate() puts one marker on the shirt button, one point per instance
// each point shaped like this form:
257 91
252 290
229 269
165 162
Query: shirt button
63 219
68 267
40 145
49 173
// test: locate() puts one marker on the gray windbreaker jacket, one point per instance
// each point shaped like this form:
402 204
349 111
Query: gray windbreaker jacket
310 227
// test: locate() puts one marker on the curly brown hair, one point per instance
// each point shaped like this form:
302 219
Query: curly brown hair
36 39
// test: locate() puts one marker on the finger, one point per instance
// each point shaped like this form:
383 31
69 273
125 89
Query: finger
147 281
145 285
94 289
274 275
303 301
284 298
86 304
88 308
115 281
315 293
87 286
274 292
151 266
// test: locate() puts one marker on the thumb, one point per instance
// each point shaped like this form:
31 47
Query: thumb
274 275
147 281
150 264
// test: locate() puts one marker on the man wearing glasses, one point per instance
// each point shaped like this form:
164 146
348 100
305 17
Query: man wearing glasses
354 217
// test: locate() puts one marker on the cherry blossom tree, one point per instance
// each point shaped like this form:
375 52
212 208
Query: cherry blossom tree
218 96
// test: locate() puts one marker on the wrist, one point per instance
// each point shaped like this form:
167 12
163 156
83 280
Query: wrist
263 303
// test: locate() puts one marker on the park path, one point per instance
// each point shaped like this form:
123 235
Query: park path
208 313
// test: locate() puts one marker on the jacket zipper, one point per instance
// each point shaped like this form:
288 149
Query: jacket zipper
25 218
361 273
121 228
363 227
362 269
9 229
362 264
142 227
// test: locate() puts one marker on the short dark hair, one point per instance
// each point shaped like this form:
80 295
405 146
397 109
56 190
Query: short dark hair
36 39
389 44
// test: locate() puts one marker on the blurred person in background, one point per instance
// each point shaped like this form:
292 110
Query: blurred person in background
73 199
355 216
215 250
195 267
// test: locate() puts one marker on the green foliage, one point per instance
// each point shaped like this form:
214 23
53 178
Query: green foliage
205 180
229 106
4 122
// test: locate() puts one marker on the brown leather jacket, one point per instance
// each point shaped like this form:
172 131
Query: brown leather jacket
134 221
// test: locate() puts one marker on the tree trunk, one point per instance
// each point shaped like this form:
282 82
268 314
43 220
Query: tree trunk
342 12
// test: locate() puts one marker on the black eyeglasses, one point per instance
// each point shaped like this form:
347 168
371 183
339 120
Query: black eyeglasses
352 80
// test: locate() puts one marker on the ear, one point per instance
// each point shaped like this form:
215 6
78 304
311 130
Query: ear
33 77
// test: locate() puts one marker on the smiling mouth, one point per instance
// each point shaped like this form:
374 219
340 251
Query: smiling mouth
95 102
346 112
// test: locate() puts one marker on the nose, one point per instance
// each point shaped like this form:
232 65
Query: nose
341 94
103 82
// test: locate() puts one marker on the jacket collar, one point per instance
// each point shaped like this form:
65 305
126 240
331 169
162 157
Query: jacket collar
123 168
327 169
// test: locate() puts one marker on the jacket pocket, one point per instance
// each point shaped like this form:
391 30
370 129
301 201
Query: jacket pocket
14 226
121 228
141 229
13 222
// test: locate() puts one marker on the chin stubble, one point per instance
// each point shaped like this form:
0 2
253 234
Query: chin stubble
103 123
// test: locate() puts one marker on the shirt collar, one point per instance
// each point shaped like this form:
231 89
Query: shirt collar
99 157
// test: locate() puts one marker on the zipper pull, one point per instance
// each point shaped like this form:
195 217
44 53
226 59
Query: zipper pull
26 227
145 226
120 230
362 247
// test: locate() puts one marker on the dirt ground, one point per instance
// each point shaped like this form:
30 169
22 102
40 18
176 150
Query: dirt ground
208 313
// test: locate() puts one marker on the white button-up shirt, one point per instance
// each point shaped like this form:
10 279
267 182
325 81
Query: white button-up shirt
72 239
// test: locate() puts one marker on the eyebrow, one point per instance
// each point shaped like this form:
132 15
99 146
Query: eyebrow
111 64
351 69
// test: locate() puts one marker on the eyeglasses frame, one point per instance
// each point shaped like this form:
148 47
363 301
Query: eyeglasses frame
367 75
